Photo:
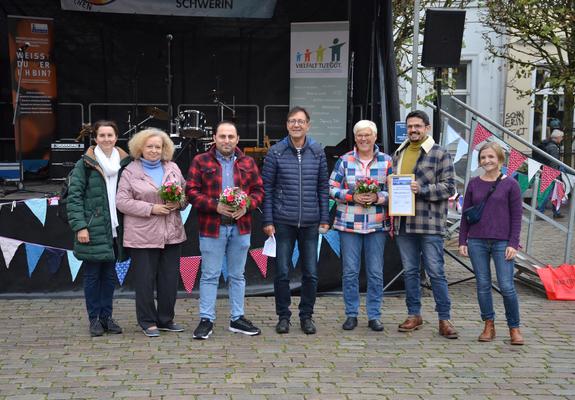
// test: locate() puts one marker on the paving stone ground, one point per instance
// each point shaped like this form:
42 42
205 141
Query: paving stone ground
46 352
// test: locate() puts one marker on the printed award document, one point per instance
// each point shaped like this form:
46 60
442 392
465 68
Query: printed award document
401 198
270 247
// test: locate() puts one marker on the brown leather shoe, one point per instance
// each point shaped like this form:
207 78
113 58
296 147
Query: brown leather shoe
447 330
412 323
488 333
516 337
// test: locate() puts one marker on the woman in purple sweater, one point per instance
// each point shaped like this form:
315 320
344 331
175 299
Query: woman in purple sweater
495 236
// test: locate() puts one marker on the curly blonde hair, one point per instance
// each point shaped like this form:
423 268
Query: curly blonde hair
137 142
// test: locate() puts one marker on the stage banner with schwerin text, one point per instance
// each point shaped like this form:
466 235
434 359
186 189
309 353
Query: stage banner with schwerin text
318 76
31 47
187 8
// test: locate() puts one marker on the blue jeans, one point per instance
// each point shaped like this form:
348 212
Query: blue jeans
480 253
372 246
235 247
414 247
99 285
307 238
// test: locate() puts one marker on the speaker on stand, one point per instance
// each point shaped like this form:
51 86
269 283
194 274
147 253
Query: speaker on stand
442 40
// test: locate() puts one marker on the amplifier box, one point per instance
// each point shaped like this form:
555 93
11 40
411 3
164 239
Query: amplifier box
10 171
63 157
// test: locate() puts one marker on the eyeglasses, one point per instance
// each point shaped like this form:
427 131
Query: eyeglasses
296 121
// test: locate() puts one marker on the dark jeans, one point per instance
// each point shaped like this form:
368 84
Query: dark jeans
307 237
99 285
159 269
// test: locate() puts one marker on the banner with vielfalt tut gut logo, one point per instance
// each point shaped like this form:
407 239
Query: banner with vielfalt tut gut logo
318 76
31 47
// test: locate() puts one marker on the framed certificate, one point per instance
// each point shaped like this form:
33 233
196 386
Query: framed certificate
401 198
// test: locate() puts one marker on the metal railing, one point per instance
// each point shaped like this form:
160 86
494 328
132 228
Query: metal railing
531 207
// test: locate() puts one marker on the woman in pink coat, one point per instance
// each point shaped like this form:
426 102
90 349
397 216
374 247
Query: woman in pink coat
153 228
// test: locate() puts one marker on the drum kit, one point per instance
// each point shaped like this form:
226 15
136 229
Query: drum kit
190 124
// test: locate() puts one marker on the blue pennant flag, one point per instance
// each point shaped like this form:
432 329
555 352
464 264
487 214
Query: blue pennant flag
33 254
185 213
38 208
122 270
74 264
332 238
225 268
54 259
295 255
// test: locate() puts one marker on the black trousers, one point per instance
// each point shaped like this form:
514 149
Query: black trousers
156 269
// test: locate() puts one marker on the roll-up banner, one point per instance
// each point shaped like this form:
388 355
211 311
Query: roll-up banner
187 8
318 76
31 46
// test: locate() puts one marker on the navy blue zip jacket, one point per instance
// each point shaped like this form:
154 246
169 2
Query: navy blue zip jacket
296 193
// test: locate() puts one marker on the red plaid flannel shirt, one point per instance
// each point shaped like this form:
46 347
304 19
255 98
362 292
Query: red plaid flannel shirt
204 187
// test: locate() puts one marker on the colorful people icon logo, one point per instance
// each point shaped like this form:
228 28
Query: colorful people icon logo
336 50
307 56
298 56
319 53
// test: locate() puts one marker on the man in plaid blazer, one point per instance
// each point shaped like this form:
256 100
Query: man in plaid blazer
420 237
224 231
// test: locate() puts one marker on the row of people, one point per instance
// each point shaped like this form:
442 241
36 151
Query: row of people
297 187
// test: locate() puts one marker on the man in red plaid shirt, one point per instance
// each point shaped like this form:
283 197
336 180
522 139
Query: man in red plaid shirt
224 231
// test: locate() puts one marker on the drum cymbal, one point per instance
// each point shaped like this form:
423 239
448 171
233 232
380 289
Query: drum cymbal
157 113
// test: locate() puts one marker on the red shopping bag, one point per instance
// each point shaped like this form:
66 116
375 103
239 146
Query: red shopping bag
559 282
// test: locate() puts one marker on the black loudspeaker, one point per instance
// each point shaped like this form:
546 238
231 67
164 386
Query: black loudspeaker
63 157
443 37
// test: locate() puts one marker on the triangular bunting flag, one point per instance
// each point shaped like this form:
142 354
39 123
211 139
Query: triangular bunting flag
319 240
462 148
185 213
558 195
38 208
261 260
9 247
33 254
225 268
74 264
122 270
332 238
548 175
54 259
295 255
474 160
515 161
569 180
331 203
523 182
451 136
481 134
532 168
189 267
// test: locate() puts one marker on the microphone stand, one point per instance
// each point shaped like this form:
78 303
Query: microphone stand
170 77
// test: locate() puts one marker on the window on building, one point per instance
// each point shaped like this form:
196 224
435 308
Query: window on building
548 108
459 79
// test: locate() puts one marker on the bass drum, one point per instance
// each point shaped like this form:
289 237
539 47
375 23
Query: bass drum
191 124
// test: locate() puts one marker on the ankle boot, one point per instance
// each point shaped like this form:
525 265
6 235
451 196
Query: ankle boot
516 337
488 333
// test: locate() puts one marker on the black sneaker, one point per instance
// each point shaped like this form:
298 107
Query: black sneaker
151 332
171 327
283 326
349 324
245 326
307 326
110 325
375 325
204 329
96 328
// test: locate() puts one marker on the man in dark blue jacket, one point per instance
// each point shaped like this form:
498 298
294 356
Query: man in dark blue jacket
296 207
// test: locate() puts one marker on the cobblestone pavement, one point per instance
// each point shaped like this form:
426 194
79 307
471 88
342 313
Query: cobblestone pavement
46 353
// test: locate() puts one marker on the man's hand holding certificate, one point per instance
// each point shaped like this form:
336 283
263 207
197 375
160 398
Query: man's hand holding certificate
402 189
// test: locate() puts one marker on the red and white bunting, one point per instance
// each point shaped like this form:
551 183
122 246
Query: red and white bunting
548 174
515 161
558 195
189 267
481 134
261 260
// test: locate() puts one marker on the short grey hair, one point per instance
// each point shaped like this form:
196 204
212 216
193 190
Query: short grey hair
365 124
557 133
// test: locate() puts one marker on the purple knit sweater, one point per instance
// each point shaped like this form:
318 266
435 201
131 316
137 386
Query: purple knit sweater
501 218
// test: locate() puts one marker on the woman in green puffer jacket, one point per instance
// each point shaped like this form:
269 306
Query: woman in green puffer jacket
93 218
